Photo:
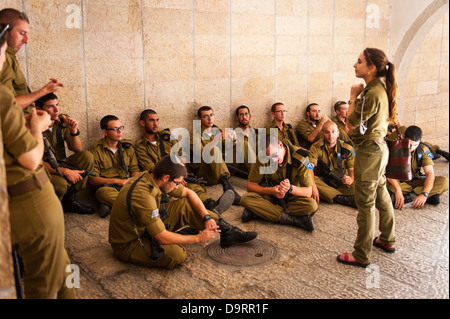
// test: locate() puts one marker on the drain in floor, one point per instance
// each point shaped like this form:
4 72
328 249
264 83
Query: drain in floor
254 252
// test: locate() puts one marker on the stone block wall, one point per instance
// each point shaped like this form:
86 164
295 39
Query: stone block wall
120 57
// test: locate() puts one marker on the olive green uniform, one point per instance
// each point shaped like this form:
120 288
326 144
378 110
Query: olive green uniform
148 154
285 135
213 171
370 162
12 76
81 160
319 151
146 206
36 215
416 184
266 206
305 127
108 164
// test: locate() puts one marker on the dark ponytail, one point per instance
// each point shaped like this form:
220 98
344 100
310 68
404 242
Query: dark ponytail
386 70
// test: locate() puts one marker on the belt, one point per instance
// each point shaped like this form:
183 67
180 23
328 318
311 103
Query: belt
379 140
30 184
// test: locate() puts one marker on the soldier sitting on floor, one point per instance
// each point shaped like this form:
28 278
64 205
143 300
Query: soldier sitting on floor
334 181
145 231
282 195
424 187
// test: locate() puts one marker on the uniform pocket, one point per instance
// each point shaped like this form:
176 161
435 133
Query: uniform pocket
368 161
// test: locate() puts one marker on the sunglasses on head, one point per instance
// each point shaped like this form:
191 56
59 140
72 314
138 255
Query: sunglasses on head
4 30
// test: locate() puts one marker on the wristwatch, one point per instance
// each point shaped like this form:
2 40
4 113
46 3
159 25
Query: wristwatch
207 217
290 189
76 134
425 194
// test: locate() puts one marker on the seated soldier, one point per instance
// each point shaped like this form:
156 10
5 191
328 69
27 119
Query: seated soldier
206 142
114 163
424 187
308 129
333 174
283 195
146 232
68 174
285 130
154 145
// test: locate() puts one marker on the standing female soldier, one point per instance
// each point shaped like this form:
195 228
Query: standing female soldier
370 115
36 216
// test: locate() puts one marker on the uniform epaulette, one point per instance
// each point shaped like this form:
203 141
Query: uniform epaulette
289 125
303 159
165 134
126 143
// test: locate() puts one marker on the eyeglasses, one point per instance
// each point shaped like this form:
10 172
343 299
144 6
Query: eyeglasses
281 111
115 129
4 30
207 116
173 181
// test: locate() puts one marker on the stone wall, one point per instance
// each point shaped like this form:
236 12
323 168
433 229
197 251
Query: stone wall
120 57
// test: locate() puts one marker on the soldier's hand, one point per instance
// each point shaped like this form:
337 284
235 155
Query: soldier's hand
315 193
206 234
399 200
121 182
324 119
211 224
347 180
285 186
356 89
277 192
74 176
38 120
70 123
53 85
419 201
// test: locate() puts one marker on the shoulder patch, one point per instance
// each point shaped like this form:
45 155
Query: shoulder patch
155 213
126 143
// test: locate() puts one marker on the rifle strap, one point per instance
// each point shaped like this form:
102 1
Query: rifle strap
153 255
122 160
162 150
339 159
60 144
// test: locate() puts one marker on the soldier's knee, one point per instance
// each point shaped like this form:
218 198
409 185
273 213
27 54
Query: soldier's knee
176 255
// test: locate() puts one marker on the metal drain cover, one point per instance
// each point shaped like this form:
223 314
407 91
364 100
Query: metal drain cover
254 252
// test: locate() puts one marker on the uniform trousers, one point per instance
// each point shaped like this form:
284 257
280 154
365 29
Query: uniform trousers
181 214
416 185
327 193
37 235
267 208
370 194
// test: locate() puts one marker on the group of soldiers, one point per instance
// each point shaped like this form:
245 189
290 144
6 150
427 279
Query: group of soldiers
155 192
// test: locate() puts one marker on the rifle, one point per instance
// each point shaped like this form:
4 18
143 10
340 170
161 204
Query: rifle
49 156
237 171
332 179
195 180
281 201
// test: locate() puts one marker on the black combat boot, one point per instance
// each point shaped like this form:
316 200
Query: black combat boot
434 200
104 210
346 200
409 199
226 184
304 221
71 204
230 235
443 153
247 215
222 204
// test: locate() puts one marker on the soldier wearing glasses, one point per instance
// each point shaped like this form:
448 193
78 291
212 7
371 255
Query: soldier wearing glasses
285 131
114 163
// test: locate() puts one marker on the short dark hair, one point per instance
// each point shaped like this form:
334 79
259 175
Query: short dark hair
166 166
48 97
308 108
106 119
145 113
274 106
11 16
414 133
337 105
203 108
240 108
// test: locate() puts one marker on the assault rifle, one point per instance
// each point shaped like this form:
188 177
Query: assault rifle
332 179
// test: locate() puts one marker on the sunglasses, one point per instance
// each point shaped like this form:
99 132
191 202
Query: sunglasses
4 30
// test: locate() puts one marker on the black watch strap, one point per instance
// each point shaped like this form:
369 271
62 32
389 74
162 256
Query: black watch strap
206 217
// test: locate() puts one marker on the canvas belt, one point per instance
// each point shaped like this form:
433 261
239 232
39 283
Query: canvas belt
30 184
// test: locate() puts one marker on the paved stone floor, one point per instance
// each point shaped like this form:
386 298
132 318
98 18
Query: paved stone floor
305 265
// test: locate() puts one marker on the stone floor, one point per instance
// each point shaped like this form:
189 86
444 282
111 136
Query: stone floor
304 267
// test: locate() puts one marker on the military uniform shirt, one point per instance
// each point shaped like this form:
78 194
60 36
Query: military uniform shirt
52 138
319 150
109 165
17 140
148 153
301 177
375 113
145 204
284 135
304 128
